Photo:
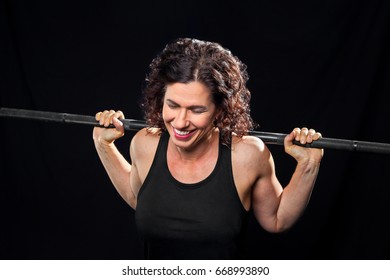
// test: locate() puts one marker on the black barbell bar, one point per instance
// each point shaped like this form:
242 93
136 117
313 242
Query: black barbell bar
134 125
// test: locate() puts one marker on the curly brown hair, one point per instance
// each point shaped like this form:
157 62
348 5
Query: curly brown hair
186 60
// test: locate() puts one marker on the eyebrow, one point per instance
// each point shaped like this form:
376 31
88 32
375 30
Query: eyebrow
192 107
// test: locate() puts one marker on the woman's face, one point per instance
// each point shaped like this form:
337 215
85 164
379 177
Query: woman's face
188 113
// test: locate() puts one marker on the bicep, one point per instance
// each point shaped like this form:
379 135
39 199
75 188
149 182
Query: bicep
266 195
142 149
135 181
135 184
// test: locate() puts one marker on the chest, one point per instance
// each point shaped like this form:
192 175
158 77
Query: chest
204 211
191 172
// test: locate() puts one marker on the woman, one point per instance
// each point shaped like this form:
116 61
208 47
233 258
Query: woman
194 172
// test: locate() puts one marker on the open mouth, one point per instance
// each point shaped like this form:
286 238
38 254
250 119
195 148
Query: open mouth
183 134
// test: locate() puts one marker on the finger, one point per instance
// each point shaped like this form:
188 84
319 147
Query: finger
108 119
303 135
289 138
317 136
297 133
119 115
117 123
97 116
103 116
310 135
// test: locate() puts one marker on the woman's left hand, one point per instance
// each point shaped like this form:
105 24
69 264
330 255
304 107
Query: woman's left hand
303 154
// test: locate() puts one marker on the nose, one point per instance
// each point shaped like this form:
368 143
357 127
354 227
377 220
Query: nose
181 120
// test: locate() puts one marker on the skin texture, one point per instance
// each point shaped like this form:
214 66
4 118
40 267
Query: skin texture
188 113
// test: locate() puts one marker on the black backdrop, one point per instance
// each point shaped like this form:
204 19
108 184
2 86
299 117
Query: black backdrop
322 64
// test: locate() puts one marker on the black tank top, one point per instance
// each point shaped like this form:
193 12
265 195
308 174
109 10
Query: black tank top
204 220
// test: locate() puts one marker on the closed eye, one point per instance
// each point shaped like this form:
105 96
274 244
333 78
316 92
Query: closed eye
196 109
172 106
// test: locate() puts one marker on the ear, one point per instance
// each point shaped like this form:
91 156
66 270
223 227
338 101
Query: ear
217 115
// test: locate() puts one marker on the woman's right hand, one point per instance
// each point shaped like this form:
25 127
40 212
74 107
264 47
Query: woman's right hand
108 135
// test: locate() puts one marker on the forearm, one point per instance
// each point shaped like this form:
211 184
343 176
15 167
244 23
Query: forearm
117 168
296 195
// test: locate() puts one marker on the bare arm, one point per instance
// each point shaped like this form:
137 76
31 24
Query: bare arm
277 208
116 166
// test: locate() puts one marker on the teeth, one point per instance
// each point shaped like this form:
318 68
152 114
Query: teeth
181 132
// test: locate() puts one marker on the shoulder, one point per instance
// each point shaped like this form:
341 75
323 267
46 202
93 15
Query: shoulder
249 145
146 134
251 152
144 143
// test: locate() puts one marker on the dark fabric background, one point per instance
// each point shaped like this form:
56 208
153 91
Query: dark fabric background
321 64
